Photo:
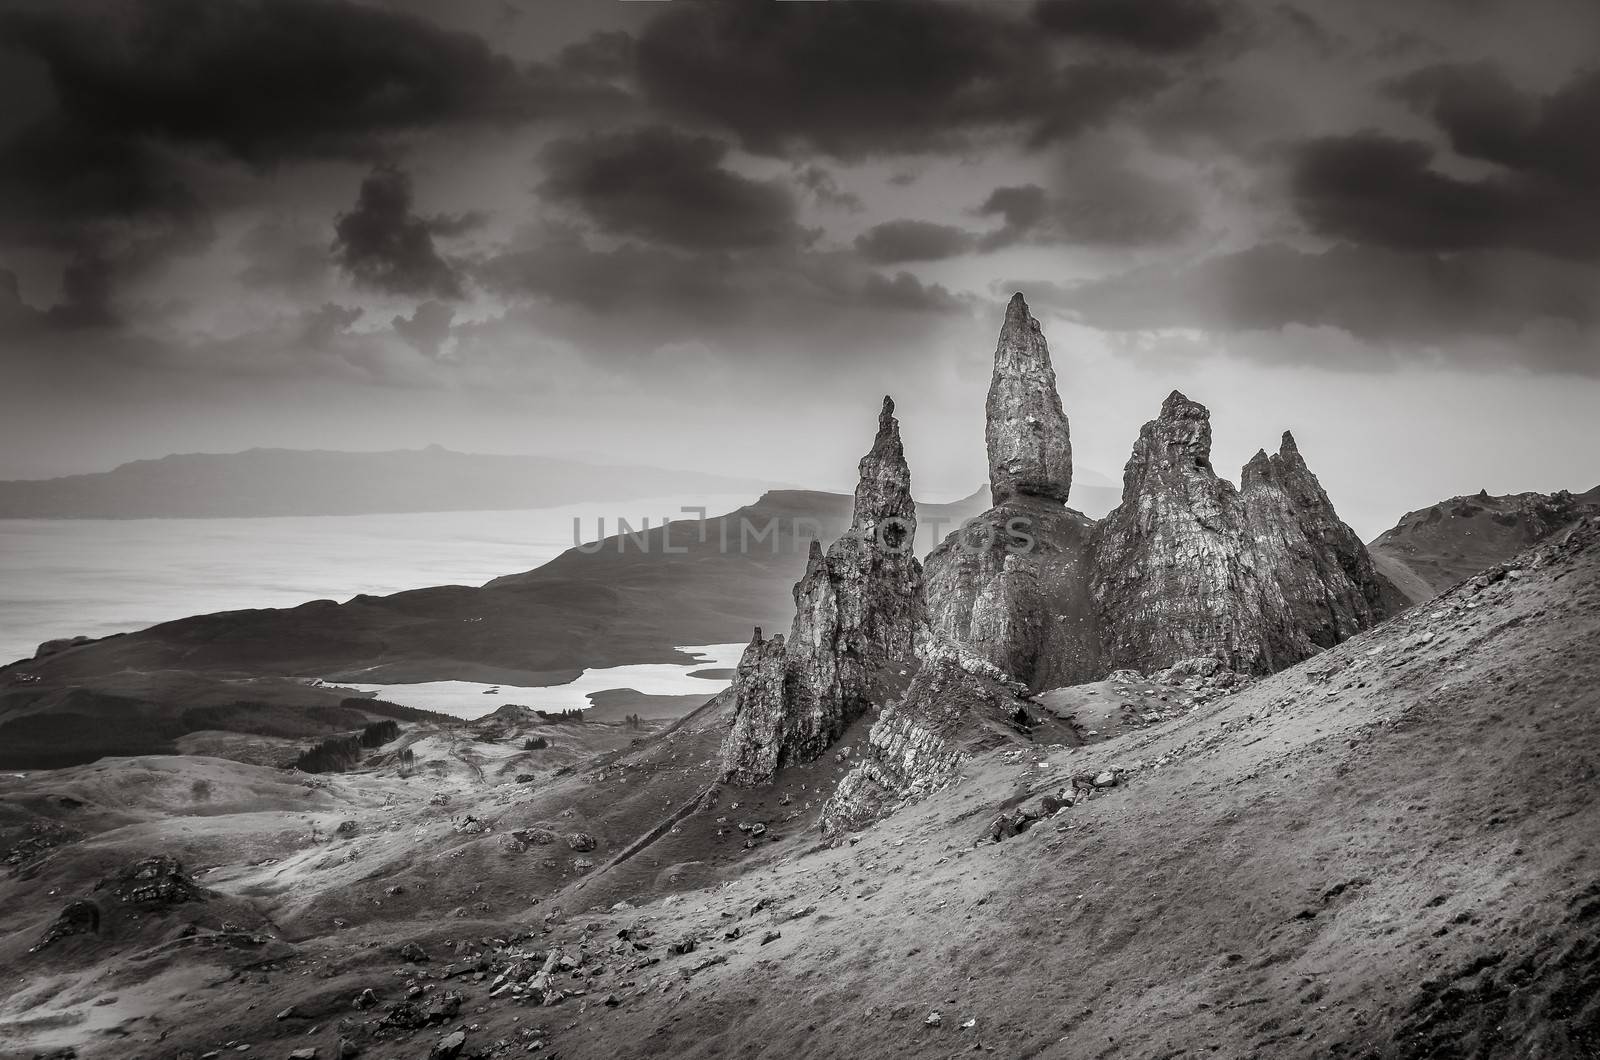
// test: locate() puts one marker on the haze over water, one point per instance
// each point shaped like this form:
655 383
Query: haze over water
94 577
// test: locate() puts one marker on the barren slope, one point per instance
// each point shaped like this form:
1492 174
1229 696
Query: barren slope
1386 851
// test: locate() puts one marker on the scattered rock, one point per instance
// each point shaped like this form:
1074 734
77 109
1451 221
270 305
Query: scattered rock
79 917
449 1047
581 841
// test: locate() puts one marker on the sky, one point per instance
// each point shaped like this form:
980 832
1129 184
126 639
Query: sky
713 235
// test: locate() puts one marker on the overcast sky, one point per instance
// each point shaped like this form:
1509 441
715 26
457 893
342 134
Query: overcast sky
712 236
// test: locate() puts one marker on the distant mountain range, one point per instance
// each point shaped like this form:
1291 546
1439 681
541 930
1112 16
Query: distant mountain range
275 482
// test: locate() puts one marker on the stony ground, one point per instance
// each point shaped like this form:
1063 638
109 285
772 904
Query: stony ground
1387 851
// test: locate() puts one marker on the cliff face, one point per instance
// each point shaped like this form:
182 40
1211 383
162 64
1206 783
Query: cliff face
1012 586
858 611
1189 566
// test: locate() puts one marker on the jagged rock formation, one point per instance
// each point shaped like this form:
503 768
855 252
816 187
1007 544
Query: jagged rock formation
858 611
1030 451
750 754
1012 586
1188 566
917 745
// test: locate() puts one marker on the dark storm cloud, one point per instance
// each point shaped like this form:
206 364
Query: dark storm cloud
637 297
855 80
384 245
1096 201
1547 311
893 242
1161 26
64 187
1488 118
1372 188
269 81
668 186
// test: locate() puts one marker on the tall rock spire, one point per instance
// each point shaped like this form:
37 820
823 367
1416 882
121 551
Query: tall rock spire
1030 450
1011 586
858 611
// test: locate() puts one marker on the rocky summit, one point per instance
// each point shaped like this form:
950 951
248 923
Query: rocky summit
858 611
1188 565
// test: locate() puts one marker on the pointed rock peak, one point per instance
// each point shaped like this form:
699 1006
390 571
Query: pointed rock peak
1018 316
884 489
1030 447
1182 430
1288 445
887 442
1178 406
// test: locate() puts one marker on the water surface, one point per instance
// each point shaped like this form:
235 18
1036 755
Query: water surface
93 577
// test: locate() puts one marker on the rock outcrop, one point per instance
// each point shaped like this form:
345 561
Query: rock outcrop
858 612
1189 566
1030 450
1319 585
1012 586
918 744
750 752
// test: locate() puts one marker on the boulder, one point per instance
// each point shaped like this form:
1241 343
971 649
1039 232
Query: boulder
449 1047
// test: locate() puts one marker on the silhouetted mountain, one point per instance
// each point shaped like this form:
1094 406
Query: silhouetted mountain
266 482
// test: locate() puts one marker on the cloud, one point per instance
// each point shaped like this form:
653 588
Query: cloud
1376 189
265 82
428 327
1096 198
634 298
893 242
1488 118
283 255
825 189
858 80
1543 313
667 186
383 245
1160 26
